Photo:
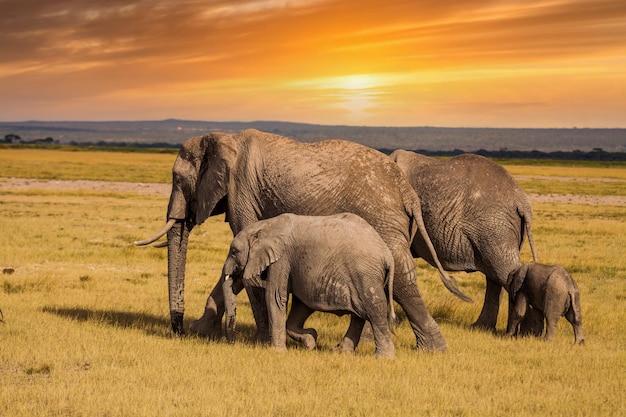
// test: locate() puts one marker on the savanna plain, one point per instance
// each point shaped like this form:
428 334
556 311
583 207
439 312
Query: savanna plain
85 326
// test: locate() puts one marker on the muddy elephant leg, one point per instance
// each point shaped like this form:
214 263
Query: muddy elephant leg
427 334
406 294
489 314
298 314
352 337
382 339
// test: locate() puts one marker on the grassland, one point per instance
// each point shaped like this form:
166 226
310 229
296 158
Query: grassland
86 330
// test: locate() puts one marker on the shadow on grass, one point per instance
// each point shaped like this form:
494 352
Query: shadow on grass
150 324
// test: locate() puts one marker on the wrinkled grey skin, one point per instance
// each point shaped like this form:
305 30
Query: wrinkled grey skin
252 176
551 291
476 216
336 264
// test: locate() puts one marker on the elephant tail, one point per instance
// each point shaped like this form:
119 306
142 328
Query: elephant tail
448 280
525 214
574 299
574 295
391 314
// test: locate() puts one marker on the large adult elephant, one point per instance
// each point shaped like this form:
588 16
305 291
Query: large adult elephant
253 175
476 216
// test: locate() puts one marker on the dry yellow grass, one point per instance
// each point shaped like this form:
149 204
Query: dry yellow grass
86 328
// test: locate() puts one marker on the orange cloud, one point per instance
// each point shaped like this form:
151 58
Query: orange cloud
513 63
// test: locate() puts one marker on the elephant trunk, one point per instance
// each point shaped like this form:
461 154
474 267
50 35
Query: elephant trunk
230 306
177 240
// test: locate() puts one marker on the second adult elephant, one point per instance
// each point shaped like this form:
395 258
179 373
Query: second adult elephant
476 216
252 176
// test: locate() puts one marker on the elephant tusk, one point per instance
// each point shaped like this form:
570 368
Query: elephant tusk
160 245
158 235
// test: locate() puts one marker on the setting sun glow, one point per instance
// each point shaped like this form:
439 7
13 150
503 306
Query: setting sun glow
512 63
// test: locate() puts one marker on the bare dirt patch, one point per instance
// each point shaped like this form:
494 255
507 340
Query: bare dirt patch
164 190
74 185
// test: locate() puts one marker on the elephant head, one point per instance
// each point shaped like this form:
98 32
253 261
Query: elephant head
200 185
253 249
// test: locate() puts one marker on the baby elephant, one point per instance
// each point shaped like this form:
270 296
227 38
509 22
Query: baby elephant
551 291
337 264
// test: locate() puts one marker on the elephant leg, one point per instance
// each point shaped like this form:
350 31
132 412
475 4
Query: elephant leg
489 314
382 335
257 296
276 301
406 294
298 314
517 311
352 337
210 324
551 321
532 323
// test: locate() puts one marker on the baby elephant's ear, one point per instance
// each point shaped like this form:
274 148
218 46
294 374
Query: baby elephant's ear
516 279
264 251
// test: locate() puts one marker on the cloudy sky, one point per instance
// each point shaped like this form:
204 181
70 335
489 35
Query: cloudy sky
509 63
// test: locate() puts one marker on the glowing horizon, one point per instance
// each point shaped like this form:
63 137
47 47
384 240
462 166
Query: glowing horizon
508 63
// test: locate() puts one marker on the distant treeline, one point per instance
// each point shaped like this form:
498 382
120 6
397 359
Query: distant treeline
597 154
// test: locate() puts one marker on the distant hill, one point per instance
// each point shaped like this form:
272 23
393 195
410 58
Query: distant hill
173 132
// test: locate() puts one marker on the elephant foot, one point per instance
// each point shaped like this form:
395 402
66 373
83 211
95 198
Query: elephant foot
345 346
431 340
309 340
262 337
387 354
434 345
207 326
484 326
306 337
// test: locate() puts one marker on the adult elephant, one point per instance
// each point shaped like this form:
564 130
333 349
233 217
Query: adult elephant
253 175
476 216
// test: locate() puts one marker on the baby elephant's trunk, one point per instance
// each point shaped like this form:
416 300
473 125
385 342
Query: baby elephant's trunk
230 308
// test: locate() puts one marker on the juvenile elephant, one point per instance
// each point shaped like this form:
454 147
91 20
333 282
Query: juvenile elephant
337 264
551 291
253 175
476 216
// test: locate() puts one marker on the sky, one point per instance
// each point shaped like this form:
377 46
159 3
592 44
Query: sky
457 63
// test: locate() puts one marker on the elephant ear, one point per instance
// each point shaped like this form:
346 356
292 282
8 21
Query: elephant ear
516 279
267 245
220 157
